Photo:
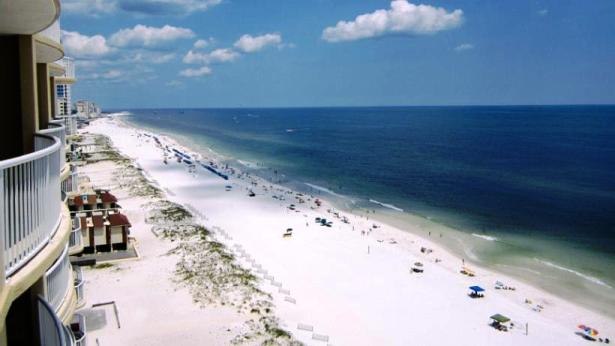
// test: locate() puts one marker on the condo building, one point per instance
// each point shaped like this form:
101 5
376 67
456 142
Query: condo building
40 289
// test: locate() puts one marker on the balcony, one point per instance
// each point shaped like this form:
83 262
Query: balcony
75 241
48 45
70 124
27 17
79 329
70 185
69 71
56 129
58 281
30 206
51 330
79 286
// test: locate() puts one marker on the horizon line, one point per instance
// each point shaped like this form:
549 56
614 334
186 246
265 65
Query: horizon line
372 106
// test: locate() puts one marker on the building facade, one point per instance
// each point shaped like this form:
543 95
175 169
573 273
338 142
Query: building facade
40 289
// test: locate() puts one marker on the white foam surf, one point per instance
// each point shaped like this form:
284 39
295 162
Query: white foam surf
485 237
122 113
579 274
325 190
386 205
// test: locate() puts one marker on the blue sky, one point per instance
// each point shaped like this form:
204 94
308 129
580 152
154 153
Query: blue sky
291 53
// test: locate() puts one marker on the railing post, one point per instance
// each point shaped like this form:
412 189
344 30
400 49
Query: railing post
4 228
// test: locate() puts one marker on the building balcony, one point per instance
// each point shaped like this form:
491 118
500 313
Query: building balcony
69 71
50 328
35 224
75 241
48 45
28 17
70 124
58 287
56 129
79 286
70 185
78 328
30 214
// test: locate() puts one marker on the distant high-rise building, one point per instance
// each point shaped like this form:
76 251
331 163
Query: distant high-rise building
63 87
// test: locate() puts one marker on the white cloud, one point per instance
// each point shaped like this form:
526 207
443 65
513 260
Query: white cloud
92 8
249 44
543 12
195 72
147 36
200 44
95 8
83 46
464 46
218 55
166 7
402 18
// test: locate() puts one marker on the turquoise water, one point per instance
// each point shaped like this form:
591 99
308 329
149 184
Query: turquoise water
527 190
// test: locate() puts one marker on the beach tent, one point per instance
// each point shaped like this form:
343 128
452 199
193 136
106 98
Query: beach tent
500 318
477 289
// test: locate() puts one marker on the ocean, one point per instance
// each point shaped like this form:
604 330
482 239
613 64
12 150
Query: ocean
527 190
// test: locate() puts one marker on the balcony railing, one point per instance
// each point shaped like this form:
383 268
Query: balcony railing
71 184
79 329
57 280
50 329
69 67
75 239
29 202
79 285
56 129
70 123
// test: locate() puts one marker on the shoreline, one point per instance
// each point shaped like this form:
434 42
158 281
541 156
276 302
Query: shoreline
387 232
567 282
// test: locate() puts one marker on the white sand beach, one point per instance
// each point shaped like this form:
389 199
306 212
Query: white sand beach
330 285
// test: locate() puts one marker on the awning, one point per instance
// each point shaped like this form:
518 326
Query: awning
500 318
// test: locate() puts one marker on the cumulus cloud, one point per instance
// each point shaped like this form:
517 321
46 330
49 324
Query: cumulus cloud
218 55
464 46
83 46
140 7
402 18
249 44
200 44
195 72
148 36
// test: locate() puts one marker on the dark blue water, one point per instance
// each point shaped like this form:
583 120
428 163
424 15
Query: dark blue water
546 172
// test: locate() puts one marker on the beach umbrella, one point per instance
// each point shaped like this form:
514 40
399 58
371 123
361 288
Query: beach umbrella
588 330
418 264
477 289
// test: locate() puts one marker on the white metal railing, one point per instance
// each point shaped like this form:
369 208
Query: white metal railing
56 129
50 329
79 334
75 239
69 67
52 32
70 124
79 285
71 184
57 280
29 202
